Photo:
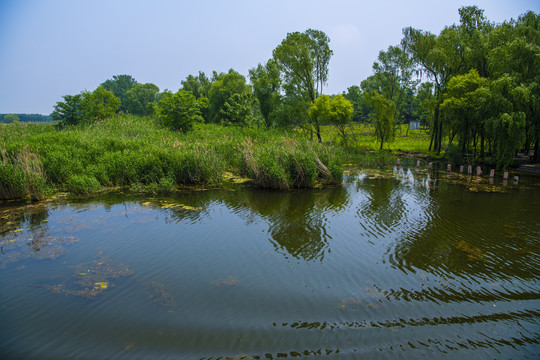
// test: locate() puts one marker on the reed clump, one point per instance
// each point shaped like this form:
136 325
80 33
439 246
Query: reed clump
21 175
289 163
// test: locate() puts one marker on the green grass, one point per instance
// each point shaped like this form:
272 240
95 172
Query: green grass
136 152
362 148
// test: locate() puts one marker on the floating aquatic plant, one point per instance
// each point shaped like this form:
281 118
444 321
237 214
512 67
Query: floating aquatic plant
473 253
229 281
159 294
92 279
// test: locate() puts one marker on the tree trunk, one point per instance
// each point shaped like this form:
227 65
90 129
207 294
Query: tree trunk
482 139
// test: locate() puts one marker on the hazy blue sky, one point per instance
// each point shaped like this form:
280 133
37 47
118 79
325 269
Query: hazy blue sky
50 48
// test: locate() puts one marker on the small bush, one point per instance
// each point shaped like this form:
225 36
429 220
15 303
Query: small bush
82 184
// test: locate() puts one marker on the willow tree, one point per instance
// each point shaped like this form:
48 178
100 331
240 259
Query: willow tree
384 116
394 70
514 53
506 126
439 58
463 107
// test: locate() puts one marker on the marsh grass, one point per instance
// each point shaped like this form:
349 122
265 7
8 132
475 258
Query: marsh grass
21 175
137 152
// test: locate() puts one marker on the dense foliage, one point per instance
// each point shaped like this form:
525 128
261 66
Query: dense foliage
138 152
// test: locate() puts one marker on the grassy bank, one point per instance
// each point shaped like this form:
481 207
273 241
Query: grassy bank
136 152
360 146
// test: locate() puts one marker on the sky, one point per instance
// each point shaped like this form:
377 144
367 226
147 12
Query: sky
52 48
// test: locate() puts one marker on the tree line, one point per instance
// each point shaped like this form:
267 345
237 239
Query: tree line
475 85
33 118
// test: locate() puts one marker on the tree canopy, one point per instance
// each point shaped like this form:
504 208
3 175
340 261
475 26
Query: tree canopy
180 111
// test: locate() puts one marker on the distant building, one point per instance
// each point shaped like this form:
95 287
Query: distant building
414 125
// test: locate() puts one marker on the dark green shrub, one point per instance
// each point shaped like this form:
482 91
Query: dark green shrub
453 154
82 184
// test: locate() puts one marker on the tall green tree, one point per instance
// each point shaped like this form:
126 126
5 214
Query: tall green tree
238 110
198 85
140 97
424 103
439 58
69 111
361 108
507 124
120 85
303 59
384 116
474 31
462 106
395 70
515 49
180 111
99 104
266 81
224 86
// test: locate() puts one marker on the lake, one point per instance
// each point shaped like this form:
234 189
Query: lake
394 263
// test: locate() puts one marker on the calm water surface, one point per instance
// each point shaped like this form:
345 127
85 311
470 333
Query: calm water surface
393 264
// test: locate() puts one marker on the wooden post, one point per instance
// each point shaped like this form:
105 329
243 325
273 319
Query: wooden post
492 173
505 176
469 169
449 167
461 169
418 164
478 171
